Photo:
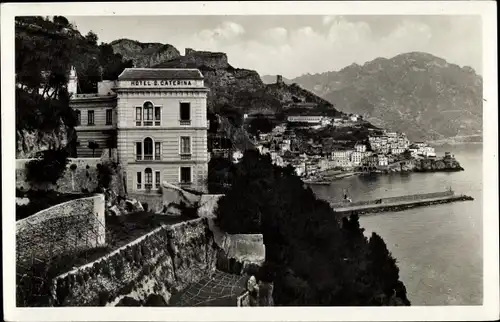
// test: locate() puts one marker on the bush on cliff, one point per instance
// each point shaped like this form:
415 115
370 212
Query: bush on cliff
312 256
47 167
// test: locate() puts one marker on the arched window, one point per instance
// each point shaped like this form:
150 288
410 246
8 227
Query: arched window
144 150
148 149
148 113
148 178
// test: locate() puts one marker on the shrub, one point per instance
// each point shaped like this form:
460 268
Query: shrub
104 174
73 167
47 167
190 211
128 301
93 146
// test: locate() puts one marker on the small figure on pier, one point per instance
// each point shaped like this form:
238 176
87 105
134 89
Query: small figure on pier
346 197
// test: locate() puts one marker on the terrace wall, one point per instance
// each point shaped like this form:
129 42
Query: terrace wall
161 262
66 228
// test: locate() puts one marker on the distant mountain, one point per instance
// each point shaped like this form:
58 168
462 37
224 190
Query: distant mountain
416 93
271 79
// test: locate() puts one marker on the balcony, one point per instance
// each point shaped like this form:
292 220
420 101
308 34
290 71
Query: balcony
185 156
185 122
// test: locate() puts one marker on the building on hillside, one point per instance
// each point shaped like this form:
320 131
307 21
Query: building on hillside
427 151
397 150
354 118
413 152
357 157
305 119
382 161
157 120
342 158
359 147
371 160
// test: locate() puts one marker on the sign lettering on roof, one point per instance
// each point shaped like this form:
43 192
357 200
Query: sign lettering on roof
162 83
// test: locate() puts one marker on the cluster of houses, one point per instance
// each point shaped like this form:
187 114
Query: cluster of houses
378 151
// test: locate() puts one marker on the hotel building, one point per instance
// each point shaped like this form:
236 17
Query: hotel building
157 121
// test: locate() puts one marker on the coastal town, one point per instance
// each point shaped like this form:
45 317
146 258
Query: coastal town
321 161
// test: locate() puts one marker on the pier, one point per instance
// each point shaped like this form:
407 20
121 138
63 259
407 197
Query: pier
397 203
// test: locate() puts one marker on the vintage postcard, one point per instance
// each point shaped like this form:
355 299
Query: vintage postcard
256 161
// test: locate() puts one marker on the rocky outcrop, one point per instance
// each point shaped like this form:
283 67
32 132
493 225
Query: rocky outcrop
30 142
437 165
144 54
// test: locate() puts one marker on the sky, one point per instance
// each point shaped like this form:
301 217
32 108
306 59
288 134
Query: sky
297 45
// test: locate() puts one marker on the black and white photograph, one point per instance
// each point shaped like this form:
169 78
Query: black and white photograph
234 155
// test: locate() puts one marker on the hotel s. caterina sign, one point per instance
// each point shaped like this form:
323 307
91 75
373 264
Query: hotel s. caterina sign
163 83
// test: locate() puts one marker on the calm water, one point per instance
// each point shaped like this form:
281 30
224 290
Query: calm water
438 248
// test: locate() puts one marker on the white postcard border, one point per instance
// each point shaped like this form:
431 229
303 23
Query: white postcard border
490 307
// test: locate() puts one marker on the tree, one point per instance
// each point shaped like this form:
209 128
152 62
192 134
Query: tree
407 154
260 124
93 146
310 257
47 167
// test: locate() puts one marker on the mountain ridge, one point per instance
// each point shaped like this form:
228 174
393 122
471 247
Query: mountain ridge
416 92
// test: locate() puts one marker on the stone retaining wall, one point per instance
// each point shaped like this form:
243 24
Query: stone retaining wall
66 228
161 262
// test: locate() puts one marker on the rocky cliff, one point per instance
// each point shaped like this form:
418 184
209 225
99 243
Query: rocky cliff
417 93
144 54
30 142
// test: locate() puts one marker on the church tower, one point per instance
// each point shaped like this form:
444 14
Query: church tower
73 82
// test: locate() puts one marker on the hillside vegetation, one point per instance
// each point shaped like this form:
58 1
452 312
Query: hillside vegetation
45 51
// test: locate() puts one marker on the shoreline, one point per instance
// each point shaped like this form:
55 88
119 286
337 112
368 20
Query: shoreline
330 180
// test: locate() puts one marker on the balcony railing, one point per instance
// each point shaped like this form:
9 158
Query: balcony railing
148 157
185 122
186 156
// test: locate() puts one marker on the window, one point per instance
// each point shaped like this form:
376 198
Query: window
185 174
139 180
148 114
78 117
138 116
185 113
157 150
148 178
148 149
109 117
157 115
90 117
138 150
185 145
157 179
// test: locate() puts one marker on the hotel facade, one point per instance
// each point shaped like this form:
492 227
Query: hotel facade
157 121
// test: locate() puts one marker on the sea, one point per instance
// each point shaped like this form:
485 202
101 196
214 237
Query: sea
439 249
